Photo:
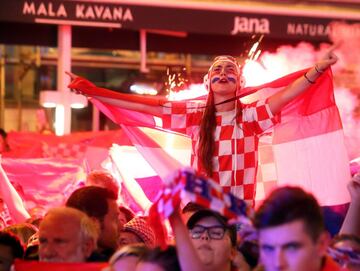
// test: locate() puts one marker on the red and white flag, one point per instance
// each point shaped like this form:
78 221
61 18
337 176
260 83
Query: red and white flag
306 148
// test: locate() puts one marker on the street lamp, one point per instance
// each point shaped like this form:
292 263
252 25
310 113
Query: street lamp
58 100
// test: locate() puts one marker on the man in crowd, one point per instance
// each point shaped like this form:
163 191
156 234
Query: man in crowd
213 239
104 179
66 235
100 205
291 230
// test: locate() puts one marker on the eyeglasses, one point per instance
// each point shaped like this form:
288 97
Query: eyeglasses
214 232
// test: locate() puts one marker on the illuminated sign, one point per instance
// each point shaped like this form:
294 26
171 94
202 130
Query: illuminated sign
181 19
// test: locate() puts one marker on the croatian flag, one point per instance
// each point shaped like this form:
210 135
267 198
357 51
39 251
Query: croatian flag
305 149
187 185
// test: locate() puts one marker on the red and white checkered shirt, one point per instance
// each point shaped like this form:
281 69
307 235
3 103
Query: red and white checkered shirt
236 141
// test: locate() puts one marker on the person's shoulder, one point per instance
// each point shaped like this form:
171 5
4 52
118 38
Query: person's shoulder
96 256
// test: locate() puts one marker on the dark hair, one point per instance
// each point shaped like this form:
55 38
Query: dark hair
22 230
127 212
167 259
10 240
92 200
288 204
250 251
231 228
192 207
3 134
206 147
104 179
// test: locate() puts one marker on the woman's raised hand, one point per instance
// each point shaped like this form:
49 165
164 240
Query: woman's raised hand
73 76
330 58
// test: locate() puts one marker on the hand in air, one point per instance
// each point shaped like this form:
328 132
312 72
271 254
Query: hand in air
73 76
330 58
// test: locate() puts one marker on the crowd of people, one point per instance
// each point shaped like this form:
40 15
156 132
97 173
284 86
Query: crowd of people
286 232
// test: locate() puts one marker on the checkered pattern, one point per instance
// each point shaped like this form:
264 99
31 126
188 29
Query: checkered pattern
345 257
64 150
266 177
138 226
236 141
187 185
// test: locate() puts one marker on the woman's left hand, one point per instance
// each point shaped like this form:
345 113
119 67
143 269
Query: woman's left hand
330 58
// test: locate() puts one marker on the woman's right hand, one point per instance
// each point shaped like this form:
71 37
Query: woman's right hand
73 76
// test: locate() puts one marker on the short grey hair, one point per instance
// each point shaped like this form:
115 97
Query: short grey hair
89 230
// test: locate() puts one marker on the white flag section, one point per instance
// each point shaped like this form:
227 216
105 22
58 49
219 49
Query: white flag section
315 164
165 152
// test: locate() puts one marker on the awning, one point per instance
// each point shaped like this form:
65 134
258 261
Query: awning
191 28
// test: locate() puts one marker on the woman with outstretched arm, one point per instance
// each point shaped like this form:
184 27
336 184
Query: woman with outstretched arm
224 131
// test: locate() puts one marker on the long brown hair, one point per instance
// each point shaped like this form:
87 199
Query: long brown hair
206 136
206 147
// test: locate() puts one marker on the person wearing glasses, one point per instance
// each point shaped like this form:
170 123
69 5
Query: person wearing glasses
213 239
224 131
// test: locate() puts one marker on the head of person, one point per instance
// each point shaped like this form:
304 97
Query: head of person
222 81
22 230
35 221
214 239
291 231
99 204
66 235
250 251
159 260
103 179
4 145
125 215
10 249
224 76
126 258
32 248
189 209
136 231
345 249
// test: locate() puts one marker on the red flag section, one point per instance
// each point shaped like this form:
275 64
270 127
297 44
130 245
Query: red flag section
35 145
44 266
44 182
